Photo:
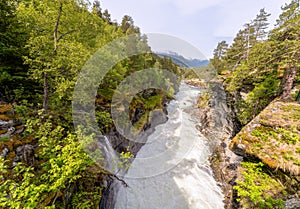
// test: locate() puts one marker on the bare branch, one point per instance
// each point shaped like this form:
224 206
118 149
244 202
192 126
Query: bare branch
62 35
111 176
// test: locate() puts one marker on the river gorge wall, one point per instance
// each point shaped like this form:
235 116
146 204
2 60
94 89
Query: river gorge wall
218 125
270 140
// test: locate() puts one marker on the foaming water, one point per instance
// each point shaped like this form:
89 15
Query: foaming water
172 170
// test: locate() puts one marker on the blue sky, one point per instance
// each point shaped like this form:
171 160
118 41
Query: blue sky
202 23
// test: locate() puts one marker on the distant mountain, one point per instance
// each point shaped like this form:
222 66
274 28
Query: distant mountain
182 61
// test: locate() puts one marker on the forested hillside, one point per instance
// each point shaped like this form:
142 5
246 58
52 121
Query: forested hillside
261 65
260 73
43 46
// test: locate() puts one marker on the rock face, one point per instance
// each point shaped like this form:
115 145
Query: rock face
273 138
219 126
120 143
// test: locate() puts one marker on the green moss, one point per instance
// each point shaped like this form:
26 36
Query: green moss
288 157
267 133
262 133
4 139
257 189
141 122
153 102
288 136
297 163
291 107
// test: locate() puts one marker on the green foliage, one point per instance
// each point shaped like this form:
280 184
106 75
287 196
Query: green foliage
260 66
256 188
64 164
153 102
124 160
43 46
219 56
15 84
104 119
258 99
4 139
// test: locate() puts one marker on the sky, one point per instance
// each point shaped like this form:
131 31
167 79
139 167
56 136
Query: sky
202 23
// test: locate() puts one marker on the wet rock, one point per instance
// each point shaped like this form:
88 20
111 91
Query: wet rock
26 153
218 125
9 124
223 145
4 152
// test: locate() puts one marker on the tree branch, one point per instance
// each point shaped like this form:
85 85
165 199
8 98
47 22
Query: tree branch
111 176
66 33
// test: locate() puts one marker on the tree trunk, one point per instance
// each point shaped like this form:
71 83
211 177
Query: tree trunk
45 100
46 94
298 97
289 84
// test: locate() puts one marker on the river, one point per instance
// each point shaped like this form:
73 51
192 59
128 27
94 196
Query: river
172 170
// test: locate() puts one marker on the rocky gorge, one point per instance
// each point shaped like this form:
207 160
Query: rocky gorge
270 140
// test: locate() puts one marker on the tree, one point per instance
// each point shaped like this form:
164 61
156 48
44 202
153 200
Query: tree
247 38
260 25
287 37
15 84
127 25
237 52
63 36
219 55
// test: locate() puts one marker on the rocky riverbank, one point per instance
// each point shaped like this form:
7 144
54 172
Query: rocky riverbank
219 126
266 150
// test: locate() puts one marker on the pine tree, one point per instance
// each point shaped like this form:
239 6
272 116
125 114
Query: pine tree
287 36
219 55
260 25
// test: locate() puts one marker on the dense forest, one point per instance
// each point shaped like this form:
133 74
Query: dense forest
44 45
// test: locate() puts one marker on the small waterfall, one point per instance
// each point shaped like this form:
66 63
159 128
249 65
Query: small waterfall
172 170
111 156
112 186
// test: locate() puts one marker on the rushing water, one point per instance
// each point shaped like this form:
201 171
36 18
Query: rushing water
172 170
